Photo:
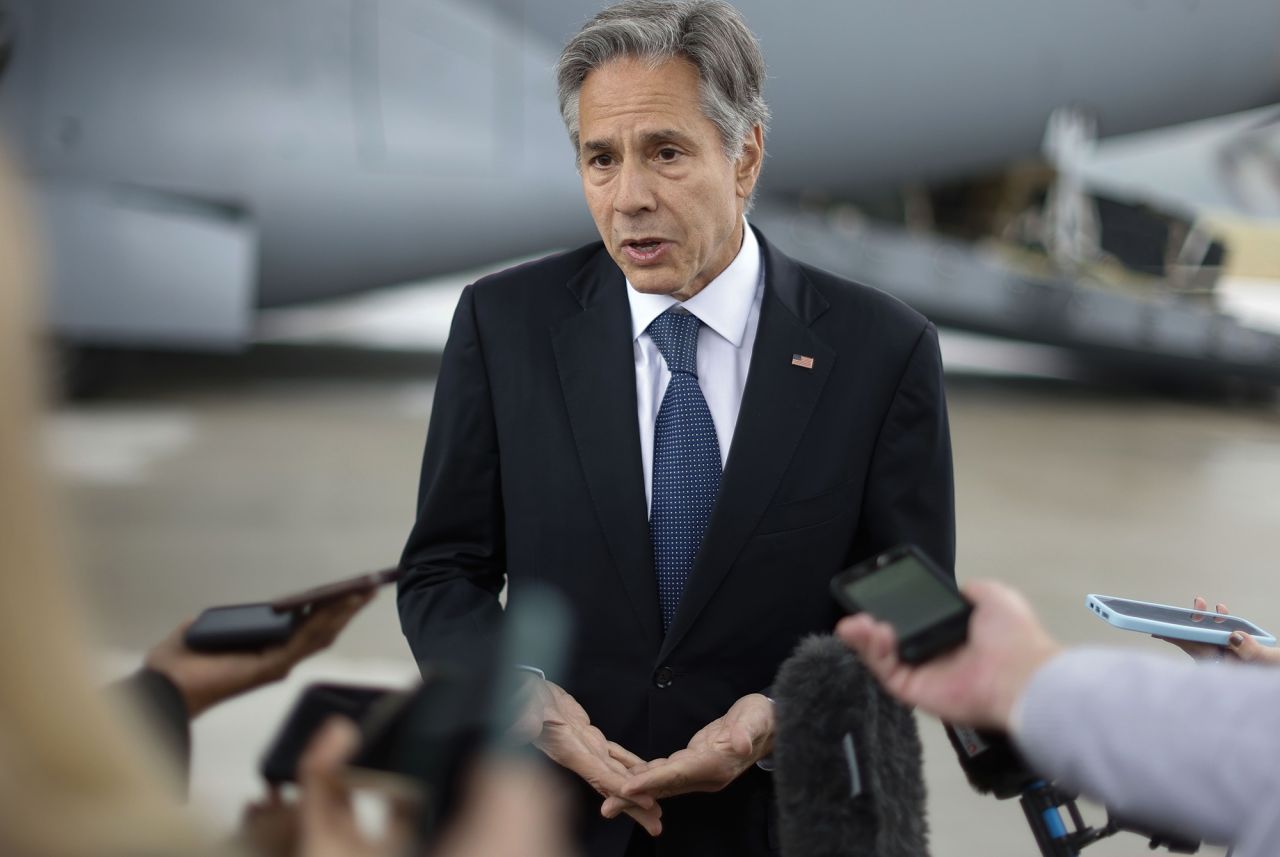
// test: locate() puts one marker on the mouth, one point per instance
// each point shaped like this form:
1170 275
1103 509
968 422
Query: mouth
645 251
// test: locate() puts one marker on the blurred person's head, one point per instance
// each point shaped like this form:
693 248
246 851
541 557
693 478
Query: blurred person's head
74 777
664 105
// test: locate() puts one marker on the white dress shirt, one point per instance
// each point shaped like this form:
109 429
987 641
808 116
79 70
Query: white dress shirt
729 309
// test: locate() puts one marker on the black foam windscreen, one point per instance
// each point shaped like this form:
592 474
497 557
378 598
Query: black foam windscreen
848 767
990 762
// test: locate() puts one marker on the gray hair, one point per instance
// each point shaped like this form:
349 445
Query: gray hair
711 34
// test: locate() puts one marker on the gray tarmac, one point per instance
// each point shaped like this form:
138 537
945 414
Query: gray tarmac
198 480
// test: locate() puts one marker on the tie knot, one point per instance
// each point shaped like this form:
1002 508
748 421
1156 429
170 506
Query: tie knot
676 335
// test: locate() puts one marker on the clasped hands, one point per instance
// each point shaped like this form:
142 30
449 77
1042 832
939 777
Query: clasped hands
716 756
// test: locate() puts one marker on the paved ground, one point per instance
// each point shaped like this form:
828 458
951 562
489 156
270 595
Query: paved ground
197 481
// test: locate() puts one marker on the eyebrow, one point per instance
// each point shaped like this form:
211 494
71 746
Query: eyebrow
649 138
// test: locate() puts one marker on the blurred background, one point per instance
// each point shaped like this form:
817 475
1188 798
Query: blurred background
258 215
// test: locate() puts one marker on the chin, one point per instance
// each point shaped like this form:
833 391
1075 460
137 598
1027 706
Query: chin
646 283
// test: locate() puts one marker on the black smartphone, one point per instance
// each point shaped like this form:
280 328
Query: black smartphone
240 627
309 598
905 588
250 627
317 704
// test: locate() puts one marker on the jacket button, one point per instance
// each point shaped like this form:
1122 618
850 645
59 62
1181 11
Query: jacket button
664 677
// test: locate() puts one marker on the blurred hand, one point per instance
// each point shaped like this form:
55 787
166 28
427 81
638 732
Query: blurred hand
269 827
559 727
974 685
511 808
1240 645
716 756
207 679
327 821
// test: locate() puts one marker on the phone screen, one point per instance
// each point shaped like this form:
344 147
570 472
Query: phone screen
1177 616
907 595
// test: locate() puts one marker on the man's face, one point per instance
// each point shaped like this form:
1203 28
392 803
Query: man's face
666 200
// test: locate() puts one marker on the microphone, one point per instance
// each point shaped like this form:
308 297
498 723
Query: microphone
994 766
847 760
990 761
848 770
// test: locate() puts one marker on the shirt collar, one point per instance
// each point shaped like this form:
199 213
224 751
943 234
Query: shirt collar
723 304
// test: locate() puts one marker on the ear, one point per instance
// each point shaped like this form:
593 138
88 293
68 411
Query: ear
750 162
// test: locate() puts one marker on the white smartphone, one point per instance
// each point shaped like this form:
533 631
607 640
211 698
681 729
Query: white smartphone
1179 623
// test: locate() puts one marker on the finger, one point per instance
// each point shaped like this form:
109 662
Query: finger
614 806
742 738
651 825
876 645
326 753
1198 603
1248 649
322 627
325 798
601 776
858 632
673 778
613 764
625 756
1222 610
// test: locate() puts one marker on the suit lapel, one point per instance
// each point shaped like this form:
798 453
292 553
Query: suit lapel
776 405
596 364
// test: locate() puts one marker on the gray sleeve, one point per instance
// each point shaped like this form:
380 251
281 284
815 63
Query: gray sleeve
1191 748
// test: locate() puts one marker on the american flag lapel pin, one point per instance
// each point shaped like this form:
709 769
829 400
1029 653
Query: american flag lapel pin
804 361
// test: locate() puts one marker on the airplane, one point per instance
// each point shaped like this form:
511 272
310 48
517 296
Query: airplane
195 162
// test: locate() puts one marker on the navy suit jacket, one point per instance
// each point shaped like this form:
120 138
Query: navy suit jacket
532 472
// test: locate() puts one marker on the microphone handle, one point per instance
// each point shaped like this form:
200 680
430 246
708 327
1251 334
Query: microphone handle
1041 804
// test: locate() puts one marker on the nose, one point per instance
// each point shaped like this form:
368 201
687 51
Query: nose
634 191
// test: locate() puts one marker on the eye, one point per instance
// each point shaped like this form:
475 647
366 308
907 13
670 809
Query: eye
602 161
668 154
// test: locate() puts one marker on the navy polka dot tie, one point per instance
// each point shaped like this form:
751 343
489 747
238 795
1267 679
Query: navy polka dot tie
686 460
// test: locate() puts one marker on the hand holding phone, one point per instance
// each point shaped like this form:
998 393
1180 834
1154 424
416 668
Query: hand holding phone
317 704
904 588
252 627
205 679
1175 623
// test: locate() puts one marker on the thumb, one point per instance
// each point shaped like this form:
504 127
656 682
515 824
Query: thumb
742 738
1244 646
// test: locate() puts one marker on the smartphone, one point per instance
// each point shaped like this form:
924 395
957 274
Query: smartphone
308 598
905 588
250 627
1178 623
240 627
316 704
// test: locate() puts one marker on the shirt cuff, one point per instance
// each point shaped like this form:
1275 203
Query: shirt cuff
766 764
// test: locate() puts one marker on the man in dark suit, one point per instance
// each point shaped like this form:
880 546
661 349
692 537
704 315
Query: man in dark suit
683 430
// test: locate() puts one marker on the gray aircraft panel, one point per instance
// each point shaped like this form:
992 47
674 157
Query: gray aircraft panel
1201 166
956 284
187 278
878 93
363 143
